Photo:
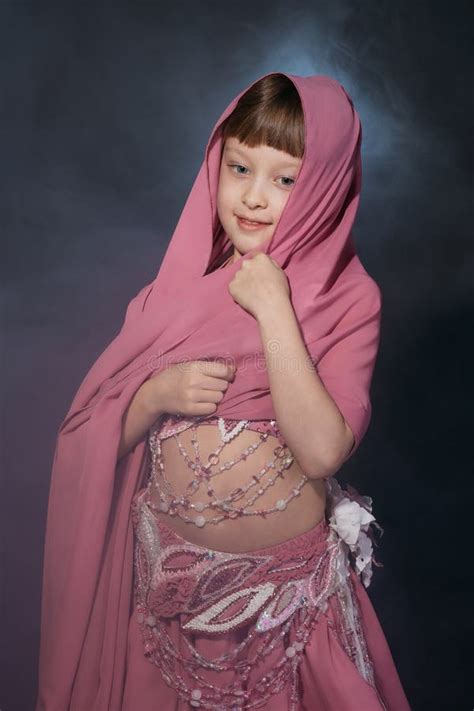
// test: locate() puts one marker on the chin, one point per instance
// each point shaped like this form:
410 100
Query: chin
244 245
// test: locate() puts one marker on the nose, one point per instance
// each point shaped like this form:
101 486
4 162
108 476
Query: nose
254 197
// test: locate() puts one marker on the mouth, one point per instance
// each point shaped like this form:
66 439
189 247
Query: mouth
251 224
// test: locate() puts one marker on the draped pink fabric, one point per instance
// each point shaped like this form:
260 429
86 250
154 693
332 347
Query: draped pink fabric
184 314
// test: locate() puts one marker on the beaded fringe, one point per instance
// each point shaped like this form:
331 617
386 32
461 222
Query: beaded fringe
207 584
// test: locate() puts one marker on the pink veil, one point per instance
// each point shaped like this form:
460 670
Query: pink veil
184 314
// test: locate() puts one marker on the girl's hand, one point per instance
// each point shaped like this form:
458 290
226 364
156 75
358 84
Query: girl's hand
190 388
260 283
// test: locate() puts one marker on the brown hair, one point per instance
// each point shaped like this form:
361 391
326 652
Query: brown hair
269 113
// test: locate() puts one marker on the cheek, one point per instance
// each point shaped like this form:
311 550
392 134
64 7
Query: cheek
225 196
220 202
280 205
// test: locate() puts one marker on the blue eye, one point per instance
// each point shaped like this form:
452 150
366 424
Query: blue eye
235 165
288 185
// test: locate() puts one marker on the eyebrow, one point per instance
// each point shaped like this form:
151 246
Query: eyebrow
293 163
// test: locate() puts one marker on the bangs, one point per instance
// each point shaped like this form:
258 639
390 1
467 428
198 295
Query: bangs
269 113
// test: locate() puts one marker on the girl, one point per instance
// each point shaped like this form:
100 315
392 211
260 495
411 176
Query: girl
199 551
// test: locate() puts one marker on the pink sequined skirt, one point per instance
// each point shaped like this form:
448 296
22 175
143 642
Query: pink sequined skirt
289 627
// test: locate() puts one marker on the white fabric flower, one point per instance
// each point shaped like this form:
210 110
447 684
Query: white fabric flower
348 517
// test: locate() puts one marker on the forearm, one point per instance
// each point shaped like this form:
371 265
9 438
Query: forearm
137 419
309 419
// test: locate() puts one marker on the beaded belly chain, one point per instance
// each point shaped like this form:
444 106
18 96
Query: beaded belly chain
199 494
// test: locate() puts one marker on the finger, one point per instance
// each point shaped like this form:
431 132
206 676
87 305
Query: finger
202 409
210 382
205 395
216 369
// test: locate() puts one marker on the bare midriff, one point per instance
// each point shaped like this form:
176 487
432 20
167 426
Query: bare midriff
249 532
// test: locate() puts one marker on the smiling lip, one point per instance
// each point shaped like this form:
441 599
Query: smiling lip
250 225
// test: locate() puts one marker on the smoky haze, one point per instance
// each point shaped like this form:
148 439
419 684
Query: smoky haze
105 113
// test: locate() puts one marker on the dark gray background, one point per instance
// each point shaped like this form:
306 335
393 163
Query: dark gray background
105 112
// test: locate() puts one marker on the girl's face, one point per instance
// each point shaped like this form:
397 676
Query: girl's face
254 183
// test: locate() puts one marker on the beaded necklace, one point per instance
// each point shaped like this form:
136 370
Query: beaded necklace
202 474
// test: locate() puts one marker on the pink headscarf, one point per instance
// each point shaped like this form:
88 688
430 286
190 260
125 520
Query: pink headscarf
186 314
